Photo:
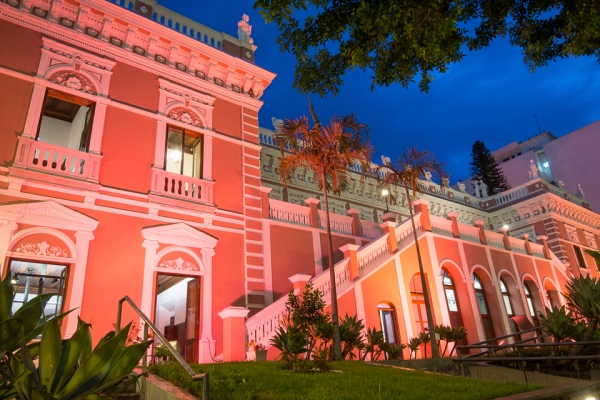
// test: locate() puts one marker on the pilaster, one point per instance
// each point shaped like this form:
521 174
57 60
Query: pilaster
82 244
420 206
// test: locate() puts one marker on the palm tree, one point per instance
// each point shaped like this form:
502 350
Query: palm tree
327 151
407 171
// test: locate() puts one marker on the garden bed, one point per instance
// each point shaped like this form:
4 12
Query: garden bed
357 380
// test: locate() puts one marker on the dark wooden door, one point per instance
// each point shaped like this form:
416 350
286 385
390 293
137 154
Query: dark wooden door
191 321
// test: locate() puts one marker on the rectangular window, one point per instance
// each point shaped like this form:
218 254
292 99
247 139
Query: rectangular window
183 152
30 279
580 259
481 302
66 121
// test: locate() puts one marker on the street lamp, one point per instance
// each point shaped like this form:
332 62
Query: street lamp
385 193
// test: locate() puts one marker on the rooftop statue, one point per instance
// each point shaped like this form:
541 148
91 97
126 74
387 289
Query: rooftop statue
427 176
580 191
245 29
533 170
277 124
484 189
385 160
561 185
461 187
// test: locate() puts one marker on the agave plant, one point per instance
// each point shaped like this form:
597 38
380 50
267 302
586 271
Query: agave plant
351 334
425 338
583 297
557 322
456 335
65 369
444 332
413 345
374 341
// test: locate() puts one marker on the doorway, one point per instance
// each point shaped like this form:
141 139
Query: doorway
31 279
177 313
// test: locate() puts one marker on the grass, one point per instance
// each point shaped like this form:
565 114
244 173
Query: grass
267 381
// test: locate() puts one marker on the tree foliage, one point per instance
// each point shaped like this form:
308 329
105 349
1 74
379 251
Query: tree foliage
399 40
485 168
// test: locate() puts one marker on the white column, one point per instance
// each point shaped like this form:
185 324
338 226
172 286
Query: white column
7 227
148 283
499 298
82 244
403 297
471 292
316 239
98 128
35 111
268 271
207 343
159 150
437 279
207 157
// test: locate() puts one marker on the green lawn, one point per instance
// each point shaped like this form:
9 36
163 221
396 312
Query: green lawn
266 380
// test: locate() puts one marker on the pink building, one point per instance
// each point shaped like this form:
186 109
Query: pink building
570 158
132 164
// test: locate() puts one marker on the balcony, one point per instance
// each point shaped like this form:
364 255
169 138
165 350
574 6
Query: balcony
56 160
181 187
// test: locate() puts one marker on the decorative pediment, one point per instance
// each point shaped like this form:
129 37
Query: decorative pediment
184 105
74 68
48 214
180 234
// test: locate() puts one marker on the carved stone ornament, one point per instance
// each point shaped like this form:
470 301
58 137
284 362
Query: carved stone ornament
14 3
39 12
179 263
73 80
42 249
186 116
67 22
92 32
116 41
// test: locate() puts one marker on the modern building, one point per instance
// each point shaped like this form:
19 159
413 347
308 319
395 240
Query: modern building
567 161
132 164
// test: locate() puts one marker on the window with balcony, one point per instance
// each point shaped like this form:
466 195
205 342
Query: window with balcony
579 255
183 152
66 121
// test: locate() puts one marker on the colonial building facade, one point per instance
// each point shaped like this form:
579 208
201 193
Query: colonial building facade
131 163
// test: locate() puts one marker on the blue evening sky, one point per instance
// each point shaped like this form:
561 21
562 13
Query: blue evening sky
489 96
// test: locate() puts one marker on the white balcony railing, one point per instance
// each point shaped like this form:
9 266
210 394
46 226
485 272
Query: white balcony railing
181 187
517 245
494 239
370 229
289 212
339 223
372 253
34 155
470 233
441 226
537 250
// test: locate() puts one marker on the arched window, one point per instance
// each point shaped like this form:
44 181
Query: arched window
184 30
176 26
486 319
170 23
387 316
530 306
418 302
508 305
154 16
548 300
451 300
162 19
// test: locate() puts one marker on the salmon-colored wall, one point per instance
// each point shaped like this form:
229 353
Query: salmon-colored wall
337 241
380 287
540 228
21 48
15 96
115 268
227 118
134 86
502 261
227 173
347 305
562 231
291 253
128 145
228 279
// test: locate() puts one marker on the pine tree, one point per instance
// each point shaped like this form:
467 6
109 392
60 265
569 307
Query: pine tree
484 167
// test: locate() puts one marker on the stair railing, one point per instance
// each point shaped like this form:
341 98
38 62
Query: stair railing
149 325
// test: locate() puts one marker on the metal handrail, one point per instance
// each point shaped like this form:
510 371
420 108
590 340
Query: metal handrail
149 325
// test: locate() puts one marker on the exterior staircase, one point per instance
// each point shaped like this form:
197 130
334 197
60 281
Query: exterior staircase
262 326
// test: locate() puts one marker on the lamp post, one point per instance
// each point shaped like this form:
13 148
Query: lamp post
385 193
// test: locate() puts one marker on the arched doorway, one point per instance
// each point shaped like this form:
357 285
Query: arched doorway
451 300
387 317
531 308
484 309
508 305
